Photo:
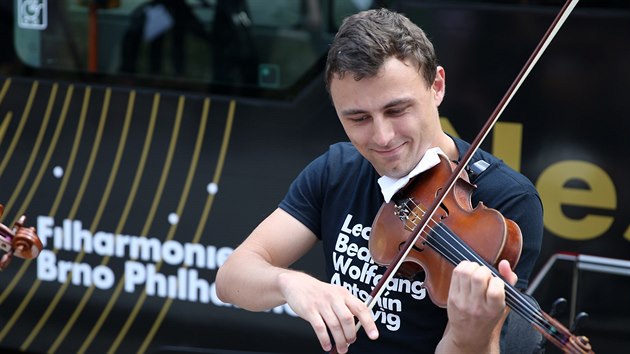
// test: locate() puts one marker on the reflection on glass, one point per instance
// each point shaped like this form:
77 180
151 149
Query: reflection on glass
268 44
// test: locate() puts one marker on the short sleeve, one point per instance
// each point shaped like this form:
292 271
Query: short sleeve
304 198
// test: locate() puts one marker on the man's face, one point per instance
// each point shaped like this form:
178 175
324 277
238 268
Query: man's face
391 118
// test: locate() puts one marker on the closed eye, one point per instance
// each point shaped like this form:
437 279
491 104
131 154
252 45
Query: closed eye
396 111
398 107
359 119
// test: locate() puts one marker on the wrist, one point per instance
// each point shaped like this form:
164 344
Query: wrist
463 342
284 281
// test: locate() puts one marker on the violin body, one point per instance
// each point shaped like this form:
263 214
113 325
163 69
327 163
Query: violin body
454 225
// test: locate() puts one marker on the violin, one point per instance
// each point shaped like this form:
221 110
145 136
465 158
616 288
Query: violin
455 233
20 241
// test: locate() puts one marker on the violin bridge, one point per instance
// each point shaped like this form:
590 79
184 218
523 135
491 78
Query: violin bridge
409 213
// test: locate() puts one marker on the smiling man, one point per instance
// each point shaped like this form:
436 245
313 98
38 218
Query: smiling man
386 86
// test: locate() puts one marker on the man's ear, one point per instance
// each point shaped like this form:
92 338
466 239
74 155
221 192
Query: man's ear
439 85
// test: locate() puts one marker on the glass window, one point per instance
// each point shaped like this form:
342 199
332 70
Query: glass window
261 44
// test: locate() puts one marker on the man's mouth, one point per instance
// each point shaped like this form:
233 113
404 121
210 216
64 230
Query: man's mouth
389 153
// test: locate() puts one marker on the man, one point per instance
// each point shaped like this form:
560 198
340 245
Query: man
386 87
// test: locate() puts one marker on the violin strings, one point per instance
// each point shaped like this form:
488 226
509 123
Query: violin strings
516 302
515 299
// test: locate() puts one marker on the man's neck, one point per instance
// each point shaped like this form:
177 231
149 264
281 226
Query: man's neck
448 146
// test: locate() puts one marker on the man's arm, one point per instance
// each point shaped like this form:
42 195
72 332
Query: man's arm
249 277
255 277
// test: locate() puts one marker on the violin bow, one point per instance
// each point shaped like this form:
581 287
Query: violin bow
474 146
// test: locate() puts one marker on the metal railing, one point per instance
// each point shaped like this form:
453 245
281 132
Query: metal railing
581 262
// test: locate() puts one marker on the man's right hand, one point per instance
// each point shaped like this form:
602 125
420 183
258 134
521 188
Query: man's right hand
327 308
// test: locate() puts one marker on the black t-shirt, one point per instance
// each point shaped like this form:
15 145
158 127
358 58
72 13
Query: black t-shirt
337 197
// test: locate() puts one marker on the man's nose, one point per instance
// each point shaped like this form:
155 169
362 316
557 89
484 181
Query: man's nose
383 131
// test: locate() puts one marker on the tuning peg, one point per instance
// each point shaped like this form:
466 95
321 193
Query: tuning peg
26 243
5 260
21 241
558 306
578 321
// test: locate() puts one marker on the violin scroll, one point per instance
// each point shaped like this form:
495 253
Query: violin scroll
20 241
563 339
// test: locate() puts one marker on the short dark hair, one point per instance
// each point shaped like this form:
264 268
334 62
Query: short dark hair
366 39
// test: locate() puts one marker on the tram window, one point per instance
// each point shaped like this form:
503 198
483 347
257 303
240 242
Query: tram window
259 44
266 44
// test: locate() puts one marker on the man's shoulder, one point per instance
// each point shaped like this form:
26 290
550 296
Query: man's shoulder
339 163
344 167
343 154
485 167
344 148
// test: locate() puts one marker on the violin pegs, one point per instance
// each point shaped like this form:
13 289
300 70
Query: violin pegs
20 241
5 260
26 243
578 321
558 306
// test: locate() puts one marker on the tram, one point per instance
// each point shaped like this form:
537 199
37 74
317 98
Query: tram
145 139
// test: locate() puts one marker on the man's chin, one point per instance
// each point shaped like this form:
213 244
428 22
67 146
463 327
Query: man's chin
393 173
392 169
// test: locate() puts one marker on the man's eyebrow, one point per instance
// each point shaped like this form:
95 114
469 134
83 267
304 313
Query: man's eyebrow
397 102
352 111
393 103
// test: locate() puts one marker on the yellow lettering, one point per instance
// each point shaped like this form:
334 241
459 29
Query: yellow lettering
507 141
552 185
